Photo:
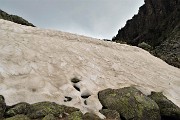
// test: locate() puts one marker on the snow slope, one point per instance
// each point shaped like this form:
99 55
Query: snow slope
38 65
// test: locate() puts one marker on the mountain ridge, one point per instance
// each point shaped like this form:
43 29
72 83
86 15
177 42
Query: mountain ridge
158 25
14 18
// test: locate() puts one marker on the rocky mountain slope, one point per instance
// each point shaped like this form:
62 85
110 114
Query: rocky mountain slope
39 65
155 28
14 18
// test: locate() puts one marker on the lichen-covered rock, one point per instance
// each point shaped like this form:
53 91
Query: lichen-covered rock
41 109
130 103
90 116
168 110
18 117
69 110
2 106
77 115
49 117
110 114
20 108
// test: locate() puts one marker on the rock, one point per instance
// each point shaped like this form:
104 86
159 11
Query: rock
157 24
70 110
20 108
145 46
2 106
49 117
18 117
14 18
90 116
130 103
77 115
41 109
168 110
110 114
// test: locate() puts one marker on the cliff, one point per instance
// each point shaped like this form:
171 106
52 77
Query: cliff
157 24
14 18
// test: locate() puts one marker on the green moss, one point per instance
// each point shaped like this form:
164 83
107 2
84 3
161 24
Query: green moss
167 108
77 115
90 116
41 109
49 117
130 103
20 108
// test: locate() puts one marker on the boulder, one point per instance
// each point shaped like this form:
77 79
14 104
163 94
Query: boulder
131 104
110 114
168 110
77 115
90 116
20 108
41 109
2 106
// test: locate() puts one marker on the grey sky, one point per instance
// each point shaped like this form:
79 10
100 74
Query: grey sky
95 18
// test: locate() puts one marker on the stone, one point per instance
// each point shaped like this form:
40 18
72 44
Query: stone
130 103
20 108
168 110
110 114
2 106
90 116
41 109
77 115
49 117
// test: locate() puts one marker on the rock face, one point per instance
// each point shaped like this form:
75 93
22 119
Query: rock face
168 110
14 18
157 24
2 106
130 103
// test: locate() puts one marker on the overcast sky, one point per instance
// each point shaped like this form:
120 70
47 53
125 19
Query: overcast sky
95 18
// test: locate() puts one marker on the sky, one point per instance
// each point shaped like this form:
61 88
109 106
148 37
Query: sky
95 18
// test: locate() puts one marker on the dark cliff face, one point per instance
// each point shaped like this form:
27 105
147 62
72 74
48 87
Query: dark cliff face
157 24
14 18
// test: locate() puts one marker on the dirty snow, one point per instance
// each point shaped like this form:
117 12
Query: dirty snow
38 65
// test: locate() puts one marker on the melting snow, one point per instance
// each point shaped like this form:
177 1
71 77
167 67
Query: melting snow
38 65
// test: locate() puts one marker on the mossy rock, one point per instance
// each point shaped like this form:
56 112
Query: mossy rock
168 110
41 109
20 108
18 117
90 116
77 115
130 103
2 106
69 110
49 117
110 114
145 46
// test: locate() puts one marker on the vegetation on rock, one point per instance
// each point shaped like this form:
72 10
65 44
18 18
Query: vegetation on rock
130 103
14 18
168 110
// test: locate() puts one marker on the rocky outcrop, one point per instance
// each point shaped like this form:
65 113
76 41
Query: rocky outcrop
14 18
130 103
168 110
158 25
